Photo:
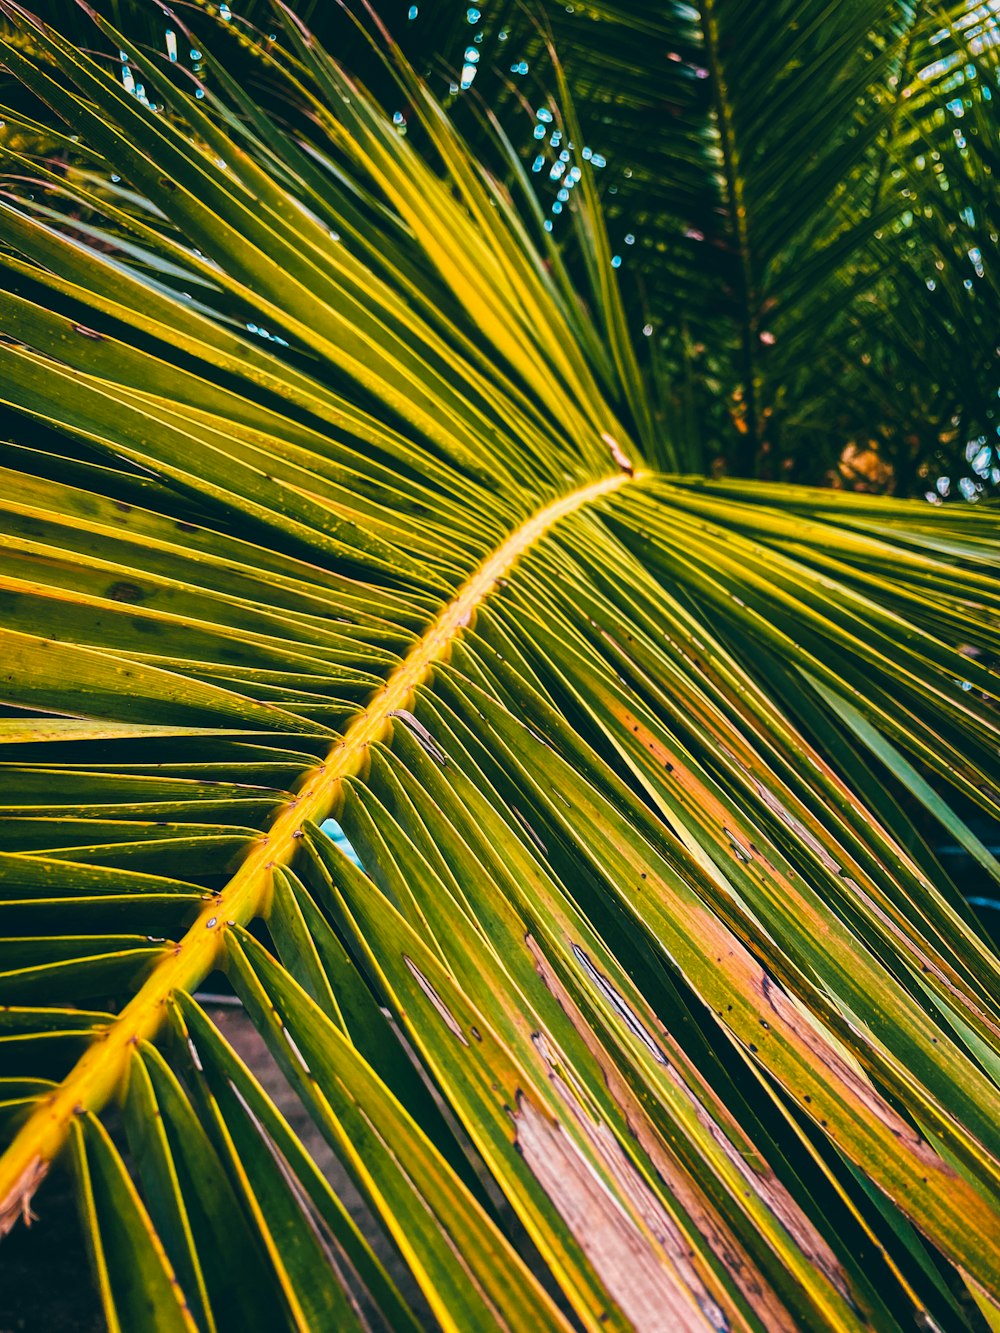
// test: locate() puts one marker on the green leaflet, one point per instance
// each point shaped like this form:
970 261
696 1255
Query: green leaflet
425 1205
136 1282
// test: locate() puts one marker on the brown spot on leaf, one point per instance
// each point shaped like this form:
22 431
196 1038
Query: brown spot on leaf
622 459
17 1205
126 592
653 1284
449 1018
423 736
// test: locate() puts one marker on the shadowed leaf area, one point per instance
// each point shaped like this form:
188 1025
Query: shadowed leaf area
379 651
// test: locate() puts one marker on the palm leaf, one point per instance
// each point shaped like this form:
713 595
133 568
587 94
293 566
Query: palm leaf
636 1003
788 201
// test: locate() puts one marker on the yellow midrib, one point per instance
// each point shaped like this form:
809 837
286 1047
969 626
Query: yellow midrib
99 1072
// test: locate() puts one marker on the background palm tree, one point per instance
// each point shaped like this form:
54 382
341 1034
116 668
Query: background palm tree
790 182
802 202
370 634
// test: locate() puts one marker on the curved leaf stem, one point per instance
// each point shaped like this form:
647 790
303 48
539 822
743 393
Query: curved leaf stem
95 1078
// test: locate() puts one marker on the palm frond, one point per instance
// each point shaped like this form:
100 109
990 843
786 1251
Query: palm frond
549 811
